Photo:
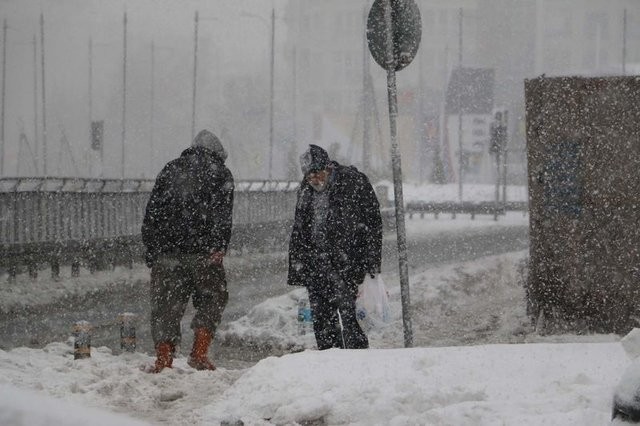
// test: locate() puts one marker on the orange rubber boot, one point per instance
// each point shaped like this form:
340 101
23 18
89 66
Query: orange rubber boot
198 359
164 354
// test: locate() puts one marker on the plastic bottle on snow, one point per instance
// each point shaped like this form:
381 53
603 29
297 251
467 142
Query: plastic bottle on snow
305 321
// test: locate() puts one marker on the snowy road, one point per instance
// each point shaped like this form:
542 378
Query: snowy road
250 282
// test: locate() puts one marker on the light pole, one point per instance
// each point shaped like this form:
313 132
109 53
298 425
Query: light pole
460 115
271 79
624 42
124 94
23 139
196 22
95 132
152 101
195 75
44 103
273 36
4 79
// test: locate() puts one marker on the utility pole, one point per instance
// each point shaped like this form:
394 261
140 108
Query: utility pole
272 28
271 90
124 95
366 124
292 169
504 157
35 104
421 140
44 103
295 95
624 43
195 76
443 127
90 104
152 105
4 93
459 90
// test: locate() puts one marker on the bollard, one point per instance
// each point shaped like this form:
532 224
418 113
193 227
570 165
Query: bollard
127 331
75 268
55 269
33 271
82 340
13 273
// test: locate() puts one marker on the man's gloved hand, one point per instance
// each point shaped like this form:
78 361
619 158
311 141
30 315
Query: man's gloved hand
216 258
149 260
372 272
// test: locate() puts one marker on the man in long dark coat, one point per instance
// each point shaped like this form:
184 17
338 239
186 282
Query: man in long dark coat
336 240
186 230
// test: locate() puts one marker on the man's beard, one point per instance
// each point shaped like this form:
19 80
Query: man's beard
318 187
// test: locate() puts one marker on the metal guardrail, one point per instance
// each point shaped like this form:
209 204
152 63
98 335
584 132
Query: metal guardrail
97 222
468 207
422 208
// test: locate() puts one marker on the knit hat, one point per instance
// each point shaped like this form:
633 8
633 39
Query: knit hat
210 141
314 159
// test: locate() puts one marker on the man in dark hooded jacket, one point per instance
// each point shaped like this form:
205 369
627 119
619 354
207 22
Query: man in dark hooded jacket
336 240
186 230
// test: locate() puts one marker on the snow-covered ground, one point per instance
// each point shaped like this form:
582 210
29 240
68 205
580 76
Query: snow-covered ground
551 380
476 361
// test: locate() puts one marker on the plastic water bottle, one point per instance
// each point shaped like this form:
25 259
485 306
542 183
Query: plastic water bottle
305 321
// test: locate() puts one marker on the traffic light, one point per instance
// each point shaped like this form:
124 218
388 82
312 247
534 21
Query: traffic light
97 135
498 133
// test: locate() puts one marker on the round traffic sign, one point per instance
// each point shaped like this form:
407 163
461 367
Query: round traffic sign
406 32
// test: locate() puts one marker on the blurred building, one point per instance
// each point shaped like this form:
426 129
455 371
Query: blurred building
341 92
517 39
468 107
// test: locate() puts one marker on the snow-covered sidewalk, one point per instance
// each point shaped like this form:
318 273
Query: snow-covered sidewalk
524 384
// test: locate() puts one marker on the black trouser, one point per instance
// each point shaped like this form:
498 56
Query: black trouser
327 297
173 281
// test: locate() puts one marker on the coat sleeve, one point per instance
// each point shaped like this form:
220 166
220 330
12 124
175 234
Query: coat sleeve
373 222
152 236
299 246
221 215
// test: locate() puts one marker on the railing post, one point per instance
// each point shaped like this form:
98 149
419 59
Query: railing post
55 268
33 270
75 268
13 272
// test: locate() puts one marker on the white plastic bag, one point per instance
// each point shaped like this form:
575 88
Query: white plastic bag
372 304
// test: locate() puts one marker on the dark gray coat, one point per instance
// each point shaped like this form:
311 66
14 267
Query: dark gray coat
353 227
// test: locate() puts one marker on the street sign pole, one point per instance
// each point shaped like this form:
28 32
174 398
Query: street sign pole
393 33
403 259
